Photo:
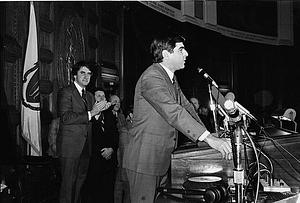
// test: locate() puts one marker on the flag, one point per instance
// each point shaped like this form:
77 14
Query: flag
30 108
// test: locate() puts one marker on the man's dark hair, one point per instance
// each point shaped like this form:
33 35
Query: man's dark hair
163 43
78 65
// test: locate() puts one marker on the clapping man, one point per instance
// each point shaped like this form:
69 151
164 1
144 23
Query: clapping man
76 107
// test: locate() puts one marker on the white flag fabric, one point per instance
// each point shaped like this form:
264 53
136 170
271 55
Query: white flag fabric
30 108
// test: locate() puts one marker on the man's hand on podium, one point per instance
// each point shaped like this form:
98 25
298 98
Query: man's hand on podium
223 145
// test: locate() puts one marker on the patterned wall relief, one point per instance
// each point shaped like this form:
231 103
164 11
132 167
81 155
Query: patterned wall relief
70 48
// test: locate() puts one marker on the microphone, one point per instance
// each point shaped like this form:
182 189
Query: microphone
221 111
230 107
208 77
220 100
230 96
236 106
245 111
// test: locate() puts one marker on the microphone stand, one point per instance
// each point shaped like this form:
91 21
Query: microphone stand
236 135
213 108
238 171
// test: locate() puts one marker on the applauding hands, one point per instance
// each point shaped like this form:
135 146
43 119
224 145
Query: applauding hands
99 106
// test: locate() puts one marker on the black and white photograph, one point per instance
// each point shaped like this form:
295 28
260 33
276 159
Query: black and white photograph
129 101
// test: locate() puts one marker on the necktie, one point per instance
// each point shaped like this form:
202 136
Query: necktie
83 95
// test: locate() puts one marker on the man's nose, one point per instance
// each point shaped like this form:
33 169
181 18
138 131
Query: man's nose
186 53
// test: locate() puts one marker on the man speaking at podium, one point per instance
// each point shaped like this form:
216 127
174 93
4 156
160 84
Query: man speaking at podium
160 109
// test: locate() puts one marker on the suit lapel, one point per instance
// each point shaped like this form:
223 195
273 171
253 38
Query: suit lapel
168 80
77 96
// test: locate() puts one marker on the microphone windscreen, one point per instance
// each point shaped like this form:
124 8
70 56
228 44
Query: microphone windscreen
229 105
230 96
218 96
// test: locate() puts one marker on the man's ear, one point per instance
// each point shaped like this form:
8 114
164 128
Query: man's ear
165 54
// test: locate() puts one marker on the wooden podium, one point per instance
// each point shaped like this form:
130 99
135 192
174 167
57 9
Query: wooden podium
282 147
189 161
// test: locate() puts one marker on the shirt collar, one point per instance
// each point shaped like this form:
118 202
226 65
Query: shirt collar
78 88
170 73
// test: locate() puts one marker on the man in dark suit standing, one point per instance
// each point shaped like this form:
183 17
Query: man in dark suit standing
76 107
160 109
103 162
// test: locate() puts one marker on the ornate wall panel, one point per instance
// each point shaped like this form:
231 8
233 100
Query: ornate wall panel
70 47
15 28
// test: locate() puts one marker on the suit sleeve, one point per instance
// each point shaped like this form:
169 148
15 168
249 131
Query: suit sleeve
156 91
69 111
189 107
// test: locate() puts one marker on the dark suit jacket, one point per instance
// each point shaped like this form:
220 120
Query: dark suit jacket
75 127
157 115
108 138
